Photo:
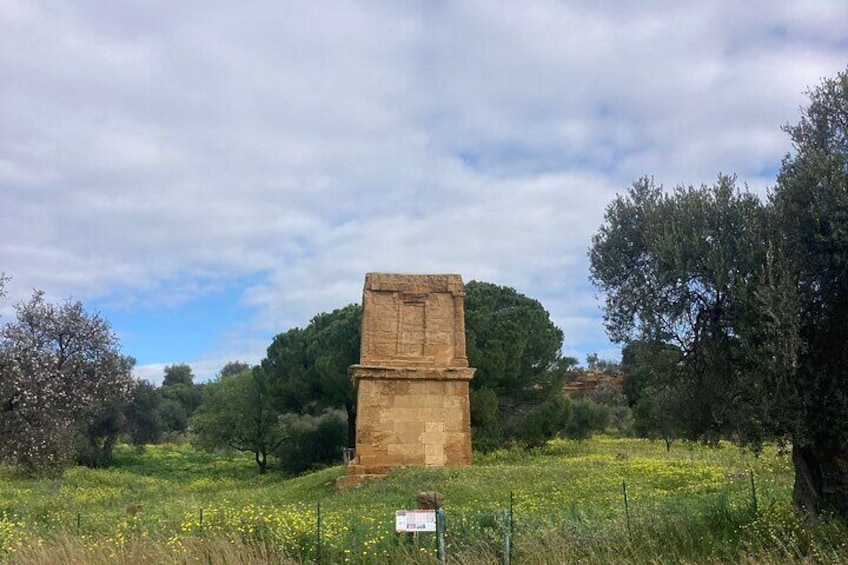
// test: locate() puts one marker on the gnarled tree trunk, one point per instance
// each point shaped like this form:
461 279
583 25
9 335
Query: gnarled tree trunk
821 478
261 457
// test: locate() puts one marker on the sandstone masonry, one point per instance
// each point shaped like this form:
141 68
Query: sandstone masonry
412 380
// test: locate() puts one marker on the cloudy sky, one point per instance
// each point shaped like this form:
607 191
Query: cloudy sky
209 174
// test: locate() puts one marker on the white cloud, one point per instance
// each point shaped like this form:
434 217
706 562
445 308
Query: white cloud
150 152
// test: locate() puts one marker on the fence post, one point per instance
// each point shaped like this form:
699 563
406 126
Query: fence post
511 521
318 532
754 493
507 541
626 510
440 536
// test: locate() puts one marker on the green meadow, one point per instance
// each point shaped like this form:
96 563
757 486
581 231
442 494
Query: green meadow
174 504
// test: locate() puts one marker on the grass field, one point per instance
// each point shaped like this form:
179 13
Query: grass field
175 504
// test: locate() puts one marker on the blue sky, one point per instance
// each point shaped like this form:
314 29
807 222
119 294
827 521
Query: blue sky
207 175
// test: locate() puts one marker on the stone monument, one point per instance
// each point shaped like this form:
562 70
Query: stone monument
412 403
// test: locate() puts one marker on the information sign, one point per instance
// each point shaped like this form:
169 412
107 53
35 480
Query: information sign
415 521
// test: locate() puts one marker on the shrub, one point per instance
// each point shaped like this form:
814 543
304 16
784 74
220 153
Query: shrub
543 422
587 416
312 441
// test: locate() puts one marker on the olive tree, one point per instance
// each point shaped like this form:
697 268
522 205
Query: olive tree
753 296
61 373
699 270
811 200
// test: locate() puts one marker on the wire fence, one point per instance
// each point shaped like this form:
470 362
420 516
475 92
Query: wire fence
318 534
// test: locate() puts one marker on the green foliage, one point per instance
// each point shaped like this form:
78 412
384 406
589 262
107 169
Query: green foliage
309 366
612 397
144 421
484 408
487 430
233 368
646 363
543 422
513 344
516 350
754 297
95 443
178 375
311 441
606 366
811 200
697 270
180 397
587 416
529 427
650 387
173 415
656 415
239 412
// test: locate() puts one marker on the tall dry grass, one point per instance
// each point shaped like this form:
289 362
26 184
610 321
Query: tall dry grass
71 550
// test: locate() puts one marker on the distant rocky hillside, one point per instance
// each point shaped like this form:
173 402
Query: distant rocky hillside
583 381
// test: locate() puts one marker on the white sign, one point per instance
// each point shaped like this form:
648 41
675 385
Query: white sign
415 521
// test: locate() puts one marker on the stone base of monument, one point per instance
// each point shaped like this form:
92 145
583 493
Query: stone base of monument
409 416
357 475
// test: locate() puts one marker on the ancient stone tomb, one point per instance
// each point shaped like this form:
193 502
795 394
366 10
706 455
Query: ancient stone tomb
412 380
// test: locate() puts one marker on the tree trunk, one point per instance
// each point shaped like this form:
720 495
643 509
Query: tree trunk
261 460
821 478
108 448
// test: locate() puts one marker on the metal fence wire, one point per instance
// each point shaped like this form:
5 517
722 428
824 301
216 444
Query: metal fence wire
357 535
